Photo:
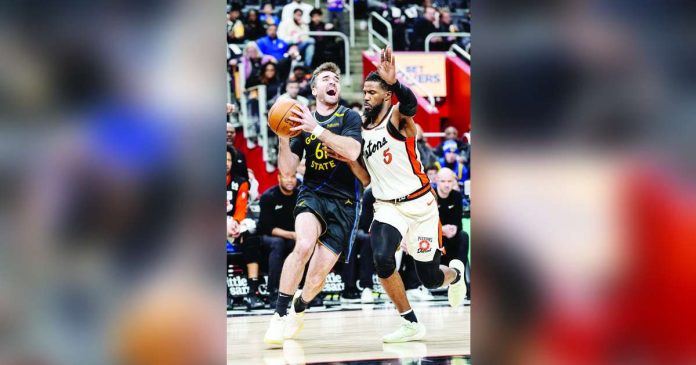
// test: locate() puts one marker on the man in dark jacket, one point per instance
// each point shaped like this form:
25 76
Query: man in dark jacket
449 202
277 227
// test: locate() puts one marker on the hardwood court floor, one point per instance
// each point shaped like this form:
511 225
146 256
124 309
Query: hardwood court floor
353 334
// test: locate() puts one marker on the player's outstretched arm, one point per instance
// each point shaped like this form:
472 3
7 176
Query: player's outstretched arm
407 99
287 160
345 146
387 71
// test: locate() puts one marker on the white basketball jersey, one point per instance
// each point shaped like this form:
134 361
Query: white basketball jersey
392 160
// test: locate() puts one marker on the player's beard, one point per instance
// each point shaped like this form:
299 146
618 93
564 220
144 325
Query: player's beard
372 113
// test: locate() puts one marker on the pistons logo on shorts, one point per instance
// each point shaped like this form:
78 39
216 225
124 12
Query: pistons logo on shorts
424 244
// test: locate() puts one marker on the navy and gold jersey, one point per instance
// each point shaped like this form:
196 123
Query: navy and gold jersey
324 175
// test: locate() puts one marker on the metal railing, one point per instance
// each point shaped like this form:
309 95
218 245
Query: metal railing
388 42
346 48
371 33
443 34
455 48
351 22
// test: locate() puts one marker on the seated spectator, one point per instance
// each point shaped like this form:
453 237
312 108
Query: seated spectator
454 240
254 29
299 73
428 157
316 24
267 76
451 134
235 26
335 8
252 59
267 17
271 45
277 227
289 11
239 165
292 91
446 25
361 258
237 198
450 161
422 27
291 59
431 171
294 31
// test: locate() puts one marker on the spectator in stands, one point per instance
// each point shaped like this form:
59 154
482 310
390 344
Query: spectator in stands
422 27
450 160
299 73
235 26
358 107
292 58
447 26
428 157
269 77
254 28
431 171
449 202
271 45
289 11
237 198
267 17
321 42
335 8
252 59
239 166
277 227
361 258
451 134
294 31
292 91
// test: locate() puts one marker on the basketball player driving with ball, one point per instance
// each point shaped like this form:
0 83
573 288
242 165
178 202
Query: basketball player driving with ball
328 202
405 206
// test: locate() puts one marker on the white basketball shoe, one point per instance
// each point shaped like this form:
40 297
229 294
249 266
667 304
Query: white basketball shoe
408 331
274 333
295 321
457 292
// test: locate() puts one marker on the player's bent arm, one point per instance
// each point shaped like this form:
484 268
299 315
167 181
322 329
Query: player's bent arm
345 146
279 232
408 129
360 172
287 160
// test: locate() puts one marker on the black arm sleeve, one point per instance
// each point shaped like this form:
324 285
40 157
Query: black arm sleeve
266 221
407 99
458 211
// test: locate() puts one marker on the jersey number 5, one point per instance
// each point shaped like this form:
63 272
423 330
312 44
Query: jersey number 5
387 156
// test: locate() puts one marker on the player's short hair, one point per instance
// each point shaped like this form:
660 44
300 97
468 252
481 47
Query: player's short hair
316 11
326 66
374 76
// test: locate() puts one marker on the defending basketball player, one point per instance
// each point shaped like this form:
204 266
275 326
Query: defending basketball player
328 203
406 206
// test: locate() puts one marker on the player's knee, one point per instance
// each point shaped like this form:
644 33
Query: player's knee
385 264
303 249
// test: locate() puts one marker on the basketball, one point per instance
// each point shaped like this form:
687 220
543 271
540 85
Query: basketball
278 117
